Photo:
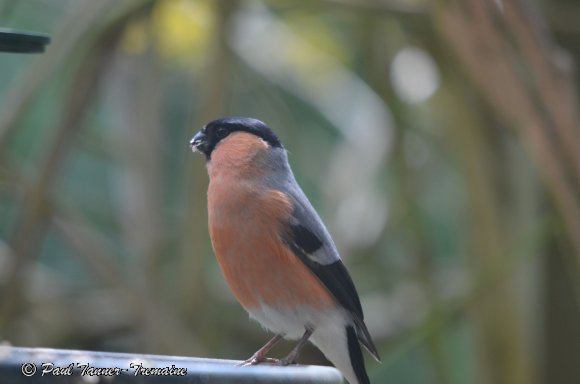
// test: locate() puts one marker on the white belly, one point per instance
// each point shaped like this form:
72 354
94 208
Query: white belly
292 322
329 331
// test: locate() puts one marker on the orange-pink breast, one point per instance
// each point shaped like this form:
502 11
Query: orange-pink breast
245 226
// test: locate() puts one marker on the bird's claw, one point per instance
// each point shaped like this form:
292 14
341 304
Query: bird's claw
286 361
255 360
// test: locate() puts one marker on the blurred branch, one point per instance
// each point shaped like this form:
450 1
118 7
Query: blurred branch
32 220
506 357
134 93
81 22
486 286
214 90
563 16
560 316
552 80
167 332
407 213
472 31
219 65
88 246
397 8
65 41
405 200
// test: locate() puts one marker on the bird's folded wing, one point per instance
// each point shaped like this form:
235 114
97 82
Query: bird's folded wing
309 240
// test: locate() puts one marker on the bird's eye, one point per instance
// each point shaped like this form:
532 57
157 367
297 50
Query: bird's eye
221 132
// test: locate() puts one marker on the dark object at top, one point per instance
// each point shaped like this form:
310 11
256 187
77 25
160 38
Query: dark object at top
15 41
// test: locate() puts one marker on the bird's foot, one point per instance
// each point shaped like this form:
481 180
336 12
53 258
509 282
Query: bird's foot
288 360
260 356
292 357
257 359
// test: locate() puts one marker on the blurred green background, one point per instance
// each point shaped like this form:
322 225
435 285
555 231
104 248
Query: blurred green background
439 141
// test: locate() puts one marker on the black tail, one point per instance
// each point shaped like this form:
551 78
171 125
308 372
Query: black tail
365 338
356 356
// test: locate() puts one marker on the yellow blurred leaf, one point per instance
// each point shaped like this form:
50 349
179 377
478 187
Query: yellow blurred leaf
182 28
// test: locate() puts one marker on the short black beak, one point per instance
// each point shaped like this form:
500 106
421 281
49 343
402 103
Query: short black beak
199 142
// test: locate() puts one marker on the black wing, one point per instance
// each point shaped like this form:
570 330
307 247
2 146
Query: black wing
304 243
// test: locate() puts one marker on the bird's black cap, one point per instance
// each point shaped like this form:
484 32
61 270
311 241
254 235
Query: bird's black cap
213 132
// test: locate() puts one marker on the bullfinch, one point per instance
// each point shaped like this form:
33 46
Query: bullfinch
274 251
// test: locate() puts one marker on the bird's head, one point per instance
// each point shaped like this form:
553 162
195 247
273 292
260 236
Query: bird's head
210 136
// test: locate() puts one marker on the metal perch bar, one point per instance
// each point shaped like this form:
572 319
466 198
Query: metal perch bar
44 365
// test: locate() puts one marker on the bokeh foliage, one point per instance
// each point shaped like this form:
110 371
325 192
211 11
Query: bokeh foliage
439 141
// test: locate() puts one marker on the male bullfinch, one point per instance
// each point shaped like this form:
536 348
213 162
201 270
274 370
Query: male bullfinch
274 251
